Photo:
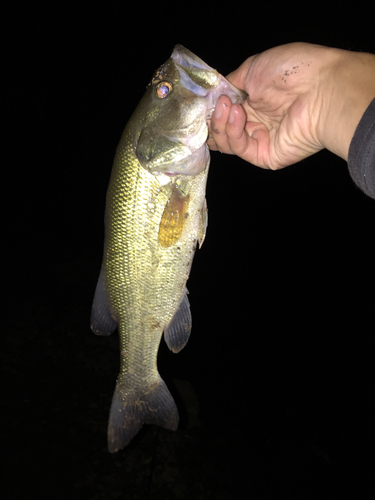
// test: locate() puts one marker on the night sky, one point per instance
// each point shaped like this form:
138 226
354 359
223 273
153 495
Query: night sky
276 385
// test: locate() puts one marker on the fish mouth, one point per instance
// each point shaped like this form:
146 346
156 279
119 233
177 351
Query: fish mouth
203 80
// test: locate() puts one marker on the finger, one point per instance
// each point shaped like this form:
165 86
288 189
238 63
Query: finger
211 143
248 140
259 137
237 137
260 140
222 109
218 125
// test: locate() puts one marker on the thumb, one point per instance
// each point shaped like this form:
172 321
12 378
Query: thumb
240 76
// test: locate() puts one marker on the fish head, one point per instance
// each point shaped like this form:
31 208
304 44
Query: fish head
181 97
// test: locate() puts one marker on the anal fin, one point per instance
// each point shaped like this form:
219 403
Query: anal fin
203 223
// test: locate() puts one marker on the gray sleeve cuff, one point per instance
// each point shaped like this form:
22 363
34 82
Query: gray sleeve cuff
361 158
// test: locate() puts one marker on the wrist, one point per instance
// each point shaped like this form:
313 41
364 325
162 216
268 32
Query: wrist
347 86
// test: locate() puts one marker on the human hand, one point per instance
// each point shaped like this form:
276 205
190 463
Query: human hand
301 99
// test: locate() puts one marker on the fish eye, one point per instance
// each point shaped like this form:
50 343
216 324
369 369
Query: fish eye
163 89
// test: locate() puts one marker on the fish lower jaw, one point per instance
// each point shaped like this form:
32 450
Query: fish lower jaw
192 165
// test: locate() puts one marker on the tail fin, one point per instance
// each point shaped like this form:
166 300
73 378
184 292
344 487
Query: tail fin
128 413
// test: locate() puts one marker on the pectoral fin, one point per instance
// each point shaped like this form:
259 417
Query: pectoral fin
203 224
178 331
175 215
101 320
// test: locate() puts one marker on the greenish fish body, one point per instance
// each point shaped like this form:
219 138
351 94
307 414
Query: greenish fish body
155 215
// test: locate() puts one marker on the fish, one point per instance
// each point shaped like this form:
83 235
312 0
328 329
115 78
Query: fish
155 216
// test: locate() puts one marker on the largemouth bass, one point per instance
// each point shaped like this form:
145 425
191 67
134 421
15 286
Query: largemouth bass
155 215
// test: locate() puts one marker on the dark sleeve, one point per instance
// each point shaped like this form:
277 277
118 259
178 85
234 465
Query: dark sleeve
361 158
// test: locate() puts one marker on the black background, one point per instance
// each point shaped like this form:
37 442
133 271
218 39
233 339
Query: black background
276 385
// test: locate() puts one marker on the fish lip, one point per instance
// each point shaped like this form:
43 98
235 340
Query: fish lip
237 96
184 57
